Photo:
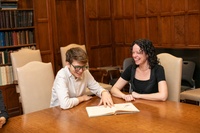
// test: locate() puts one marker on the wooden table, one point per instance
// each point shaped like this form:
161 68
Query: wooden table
155 117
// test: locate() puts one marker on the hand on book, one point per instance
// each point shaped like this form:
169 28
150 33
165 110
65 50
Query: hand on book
106 99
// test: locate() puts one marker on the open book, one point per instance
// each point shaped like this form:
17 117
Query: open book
122 108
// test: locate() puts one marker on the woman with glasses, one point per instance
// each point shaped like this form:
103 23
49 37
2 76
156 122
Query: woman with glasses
146 76
71 82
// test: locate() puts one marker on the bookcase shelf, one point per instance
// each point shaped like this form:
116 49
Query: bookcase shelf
17 47
7 1
17 31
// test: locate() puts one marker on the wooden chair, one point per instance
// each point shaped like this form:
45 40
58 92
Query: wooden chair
20 58
189 92
191 95
173 73
188 82
35 80
102 72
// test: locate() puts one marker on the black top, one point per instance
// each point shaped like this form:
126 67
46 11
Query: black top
144 86
3 111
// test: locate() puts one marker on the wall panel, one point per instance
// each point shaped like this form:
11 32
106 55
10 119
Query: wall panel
193 30
166 32
43 32
174 24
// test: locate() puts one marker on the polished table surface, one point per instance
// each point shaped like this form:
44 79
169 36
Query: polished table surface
155 117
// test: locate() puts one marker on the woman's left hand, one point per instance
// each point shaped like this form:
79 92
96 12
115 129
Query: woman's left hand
135 94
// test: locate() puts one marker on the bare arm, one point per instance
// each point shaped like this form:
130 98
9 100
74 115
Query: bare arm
116 90
161 95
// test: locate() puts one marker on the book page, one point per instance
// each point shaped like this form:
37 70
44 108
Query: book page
125 108
94 111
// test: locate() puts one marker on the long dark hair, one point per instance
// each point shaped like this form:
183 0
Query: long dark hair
147 46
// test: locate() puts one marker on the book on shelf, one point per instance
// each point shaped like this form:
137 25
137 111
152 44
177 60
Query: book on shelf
16 18
0 77
2 38
2 58
3 75
121 108
8 4
6 75
5 57
14 38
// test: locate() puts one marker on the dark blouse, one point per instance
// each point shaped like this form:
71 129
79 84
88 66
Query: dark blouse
144 86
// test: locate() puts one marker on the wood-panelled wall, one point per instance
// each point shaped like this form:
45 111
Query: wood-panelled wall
109 30
108 27
43 29
168 23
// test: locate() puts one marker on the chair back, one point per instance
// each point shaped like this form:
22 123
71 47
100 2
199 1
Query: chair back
127 62
187 74
23 56
63 51
35 80
173 72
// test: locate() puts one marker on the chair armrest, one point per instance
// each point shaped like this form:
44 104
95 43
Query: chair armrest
112 69
96 72
105 71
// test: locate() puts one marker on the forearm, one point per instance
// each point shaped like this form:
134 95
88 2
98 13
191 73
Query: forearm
154 96
69 103
80 99
116 92
84 98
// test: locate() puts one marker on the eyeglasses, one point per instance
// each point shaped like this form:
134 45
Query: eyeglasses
77 68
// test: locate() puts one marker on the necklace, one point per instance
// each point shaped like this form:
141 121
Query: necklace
143 69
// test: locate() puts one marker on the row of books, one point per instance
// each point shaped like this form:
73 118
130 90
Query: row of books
9 4
5 55
14 38
6 75
16 18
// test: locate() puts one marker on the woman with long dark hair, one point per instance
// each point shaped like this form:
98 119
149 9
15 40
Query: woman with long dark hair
146 76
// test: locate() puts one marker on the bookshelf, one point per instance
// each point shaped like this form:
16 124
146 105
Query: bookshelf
16 32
